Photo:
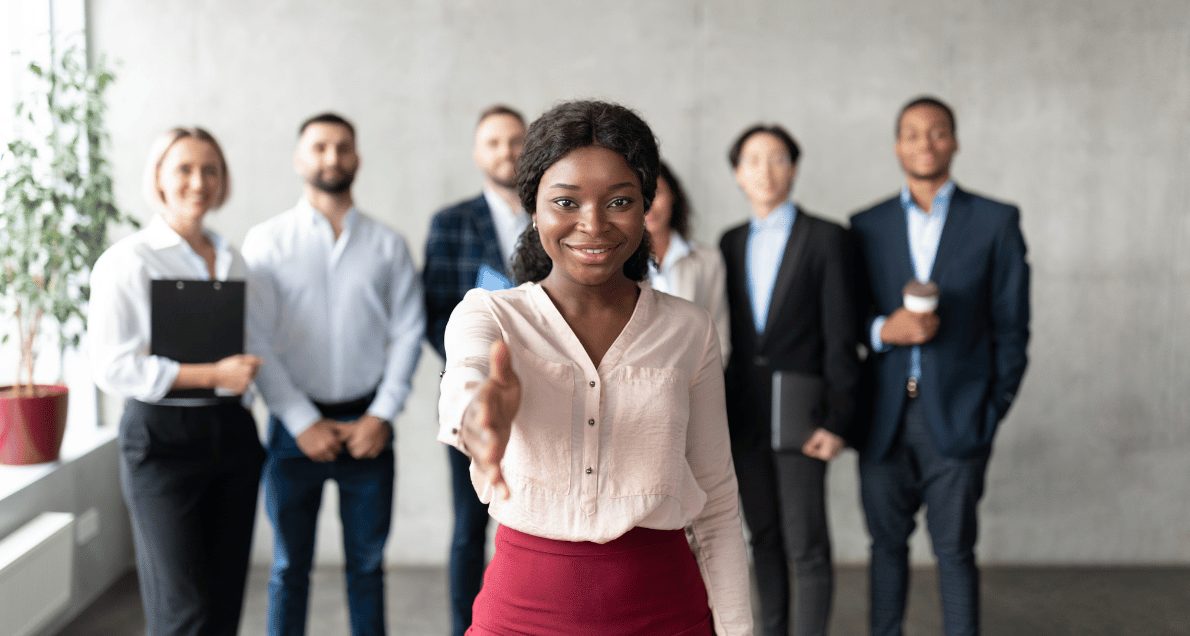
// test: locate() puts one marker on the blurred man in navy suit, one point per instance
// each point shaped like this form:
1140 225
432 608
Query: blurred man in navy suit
938 382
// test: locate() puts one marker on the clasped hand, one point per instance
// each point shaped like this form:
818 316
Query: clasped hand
487 422
325 439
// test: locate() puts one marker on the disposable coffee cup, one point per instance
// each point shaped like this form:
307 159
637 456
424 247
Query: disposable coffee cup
919 297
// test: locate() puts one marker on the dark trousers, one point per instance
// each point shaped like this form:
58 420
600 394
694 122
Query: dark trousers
467 543
293 494
190 476
785 508
893 489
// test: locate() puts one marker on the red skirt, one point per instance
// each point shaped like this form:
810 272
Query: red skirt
645 582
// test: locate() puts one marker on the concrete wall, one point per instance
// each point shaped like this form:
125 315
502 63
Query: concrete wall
1079 111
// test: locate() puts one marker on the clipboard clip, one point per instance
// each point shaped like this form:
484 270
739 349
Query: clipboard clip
216 285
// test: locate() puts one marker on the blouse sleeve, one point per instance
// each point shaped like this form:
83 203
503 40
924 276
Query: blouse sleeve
118 333
470 332
718 534
717 303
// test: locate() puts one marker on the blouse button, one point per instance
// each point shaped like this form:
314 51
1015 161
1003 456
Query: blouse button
589 471
592 383
591 422
454 431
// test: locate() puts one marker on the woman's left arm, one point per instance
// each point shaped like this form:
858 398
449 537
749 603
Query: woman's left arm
717 303
718 535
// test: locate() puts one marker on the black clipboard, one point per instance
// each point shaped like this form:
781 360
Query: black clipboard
196 321
799 408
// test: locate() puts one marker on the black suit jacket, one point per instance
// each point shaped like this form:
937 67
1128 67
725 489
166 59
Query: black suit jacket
972 368
810 328
462 238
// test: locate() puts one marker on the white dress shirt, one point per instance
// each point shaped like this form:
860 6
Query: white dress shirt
337 318
640 440
118 327
509 223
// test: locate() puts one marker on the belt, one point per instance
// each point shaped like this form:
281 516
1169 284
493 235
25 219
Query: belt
349 407
912 389
189 402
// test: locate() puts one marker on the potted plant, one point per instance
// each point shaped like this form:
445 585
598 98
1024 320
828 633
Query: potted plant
55 210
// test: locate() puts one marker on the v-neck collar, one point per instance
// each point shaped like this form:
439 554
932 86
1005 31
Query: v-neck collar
636 322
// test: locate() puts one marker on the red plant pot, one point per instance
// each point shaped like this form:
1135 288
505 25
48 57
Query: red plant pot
31 426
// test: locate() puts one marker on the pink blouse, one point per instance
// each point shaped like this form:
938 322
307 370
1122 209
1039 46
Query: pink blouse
639 441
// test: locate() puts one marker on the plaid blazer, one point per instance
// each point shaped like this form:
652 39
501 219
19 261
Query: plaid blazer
462 238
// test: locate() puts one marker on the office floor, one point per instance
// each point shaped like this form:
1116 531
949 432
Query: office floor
1017 601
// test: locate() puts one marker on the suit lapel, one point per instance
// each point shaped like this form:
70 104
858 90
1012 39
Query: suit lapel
485 230
958 218
901 255
795 247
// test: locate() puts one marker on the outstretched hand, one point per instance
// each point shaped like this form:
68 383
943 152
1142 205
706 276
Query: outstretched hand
487 422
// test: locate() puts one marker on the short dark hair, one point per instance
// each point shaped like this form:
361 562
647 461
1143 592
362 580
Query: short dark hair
927 100
733 155
499 109
326 118
679 217
563 129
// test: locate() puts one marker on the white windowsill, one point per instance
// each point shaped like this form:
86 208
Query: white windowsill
78 442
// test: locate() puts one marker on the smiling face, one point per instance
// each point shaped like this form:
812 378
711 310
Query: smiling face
190 179
590 216
926 143
765 171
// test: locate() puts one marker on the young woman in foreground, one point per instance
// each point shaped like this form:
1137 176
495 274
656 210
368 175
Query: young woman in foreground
593 409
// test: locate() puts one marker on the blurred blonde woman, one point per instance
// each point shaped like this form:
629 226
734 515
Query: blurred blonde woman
190 467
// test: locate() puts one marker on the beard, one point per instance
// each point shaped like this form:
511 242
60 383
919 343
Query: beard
498 177
332 185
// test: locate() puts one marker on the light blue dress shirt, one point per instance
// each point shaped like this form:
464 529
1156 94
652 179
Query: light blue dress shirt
925 232
766 248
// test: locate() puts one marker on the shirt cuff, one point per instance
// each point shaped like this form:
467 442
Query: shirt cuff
878 345
458 388
385 407
166 375
299 417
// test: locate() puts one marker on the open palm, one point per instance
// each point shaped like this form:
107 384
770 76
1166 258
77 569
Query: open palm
487 422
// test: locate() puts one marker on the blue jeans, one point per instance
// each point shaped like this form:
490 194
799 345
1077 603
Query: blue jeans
293 493
467 543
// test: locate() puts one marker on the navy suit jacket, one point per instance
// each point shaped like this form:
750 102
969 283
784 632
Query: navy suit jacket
973 367
462 239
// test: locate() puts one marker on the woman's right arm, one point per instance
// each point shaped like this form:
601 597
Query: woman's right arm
118 341
480 392
118 332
